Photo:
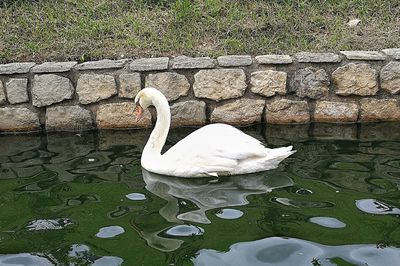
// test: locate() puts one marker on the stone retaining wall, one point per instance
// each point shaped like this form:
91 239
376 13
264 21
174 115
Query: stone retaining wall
345 87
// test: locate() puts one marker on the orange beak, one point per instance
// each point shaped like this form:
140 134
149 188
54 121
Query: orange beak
138 113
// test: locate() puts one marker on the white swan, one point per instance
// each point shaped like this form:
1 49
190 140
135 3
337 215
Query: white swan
213 150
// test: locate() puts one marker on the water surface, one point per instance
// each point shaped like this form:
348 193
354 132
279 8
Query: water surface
83 199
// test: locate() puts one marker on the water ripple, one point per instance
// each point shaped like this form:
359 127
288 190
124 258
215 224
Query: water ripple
110 231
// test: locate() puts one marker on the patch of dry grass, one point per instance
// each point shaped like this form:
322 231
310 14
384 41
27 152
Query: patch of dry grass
44 30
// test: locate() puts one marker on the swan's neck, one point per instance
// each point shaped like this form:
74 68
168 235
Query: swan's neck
160 132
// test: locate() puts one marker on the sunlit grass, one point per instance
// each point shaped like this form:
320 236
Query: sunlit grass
92 29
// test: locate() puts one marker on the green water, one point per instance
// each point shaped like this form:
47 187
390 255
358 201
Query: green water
334 202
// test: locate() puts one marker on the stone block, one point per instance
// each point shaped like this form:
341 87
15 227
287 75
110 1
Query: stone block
171 84
2 94
392 52
189 113
363 55
185 62
390 77
379 110
68 118
14 119
239 112
53 67
234 60
130 85
335 112
273 59
49 88
149 64
16 68
285 111
101 64
219 84
92 88
268 82
357 79
120 115
17 90
306 57
310 82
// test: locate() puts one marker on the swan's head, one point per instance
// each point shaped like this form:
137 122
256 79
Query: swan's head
144 99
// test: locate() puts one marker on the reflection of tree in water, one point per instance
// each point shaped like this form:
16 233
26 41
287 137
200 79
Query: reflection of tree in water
279 222
184 255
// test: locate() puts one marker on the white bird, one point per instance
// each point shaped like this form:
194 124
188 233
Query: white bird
213 150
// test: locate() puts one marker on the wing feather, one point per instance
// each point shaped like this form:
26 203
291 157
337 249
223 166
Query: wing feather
217 145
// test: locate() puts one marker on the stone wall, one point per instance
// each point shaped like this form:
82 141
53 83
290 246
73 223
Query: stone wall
345 87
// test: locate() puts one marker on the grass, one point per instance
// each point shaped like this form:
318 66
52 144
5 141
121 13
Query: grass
82 30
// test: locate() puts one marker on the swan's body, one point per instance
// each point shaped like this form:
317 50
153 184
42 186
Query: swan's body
213 150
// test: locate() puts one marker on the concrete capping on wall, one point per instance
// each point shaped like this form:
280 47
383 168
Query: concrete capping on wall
343 87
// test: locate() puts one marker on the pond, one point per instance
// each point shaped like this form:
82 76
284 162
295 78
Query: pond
83 199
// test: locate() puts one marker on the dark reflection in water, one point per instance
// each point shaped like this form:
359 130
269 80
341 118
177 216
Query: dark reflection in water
336 200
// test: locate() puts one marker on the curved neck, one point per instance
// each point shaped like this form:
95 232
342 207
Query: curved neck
160 132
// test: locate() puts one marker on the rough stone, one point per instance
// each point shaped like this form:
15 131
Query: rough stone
17 90
16 68
219 84
101 64
353 23
14 119
53 67
234 60
189 113
95 87
171 84
273 59
379 110
363 55
390 77
2 93
306 57
335 112
69 118
286 111
149 64
239 112
120 115
49 88
358 79
393 52
185 62
268 82
130 85
311 82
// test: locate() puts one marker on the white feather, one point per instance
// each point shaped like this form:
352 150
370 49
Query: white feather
213 150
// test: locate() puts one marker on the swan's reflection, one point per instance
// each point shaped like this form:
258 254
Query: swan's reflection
209 193
205 194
